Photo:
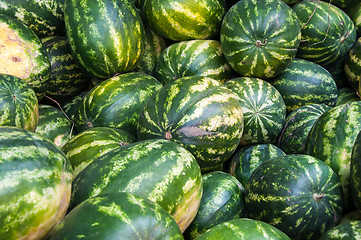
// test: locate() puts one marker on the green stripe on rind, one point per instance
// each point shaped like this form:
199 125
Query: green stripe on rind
354 12
159 170
298 194
327 32
53 125
248 158
195 57
349 230
331 140
117 216
198 113
304 82
346 95
243 228
70 106
222 200
259 38
45 18
67 79
184 20
106 36
92 143
39 66
35 183
263 108
355 172
116 102
293 136
352 65
18 103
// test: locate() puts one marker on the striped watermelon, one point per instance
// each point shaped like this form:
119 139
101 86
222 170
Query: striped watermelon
106 36
181 20
45 18
92 143
350 230
293 136
54 125
117 215
352 66
158 169
198 113
194 57
338 73
331 140
71 105
116 102
354 12
263 108
23 55
345 95
67 79
304 82
222 200
18 103
260 37
35 184
298 194
243 228
355 172
248 158
328 33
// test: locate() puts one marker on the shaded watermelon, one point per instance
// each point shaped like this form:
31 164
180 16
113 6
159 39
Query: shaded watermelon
349 230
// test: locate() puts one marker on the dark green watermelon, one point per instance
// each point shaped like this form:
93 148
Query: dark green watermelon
352 66
355 172
346 95
349 230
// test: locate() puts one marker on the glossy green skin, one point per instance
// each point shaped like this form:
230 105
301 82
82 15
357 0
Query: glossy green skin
260 38
35 180
263 108
54 125
116 102
293 136
248 158
18 103
352 65
181 20
117 215
331 140
45 18
243 228
106 36
298 194
355 178
349 230
67 79
222 200
39 67
154 169
304 82
324 42
198 113
346 95
92 143
193 58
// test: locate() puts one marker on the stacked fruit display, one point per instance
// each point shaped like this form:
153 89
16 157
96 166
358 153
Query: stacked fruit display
180 119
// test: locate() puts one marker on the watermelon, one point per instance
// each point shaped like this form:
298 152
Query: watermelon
293 136
116 102
243 228
304 82
23 55
92 143
198 113
117 215
298 194
352 65
350 230
354 12
222 200
71 105
248 158
158 169
355 176
328 33
346 95
331 140
45 18
260 37
263 108
180 20
106 36
54 125
35 184
194 57
67 79
18 103
351 216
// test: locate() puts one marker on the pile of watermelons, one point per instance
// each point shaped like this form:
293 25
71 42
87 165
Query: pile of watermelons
180 119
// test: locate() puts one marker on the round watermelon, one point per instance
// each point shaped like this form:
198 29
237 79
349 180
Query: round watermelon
352 66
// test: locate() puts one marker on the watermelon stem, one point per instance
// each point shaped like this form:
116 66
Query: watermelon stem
259 43
167 135
317 197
